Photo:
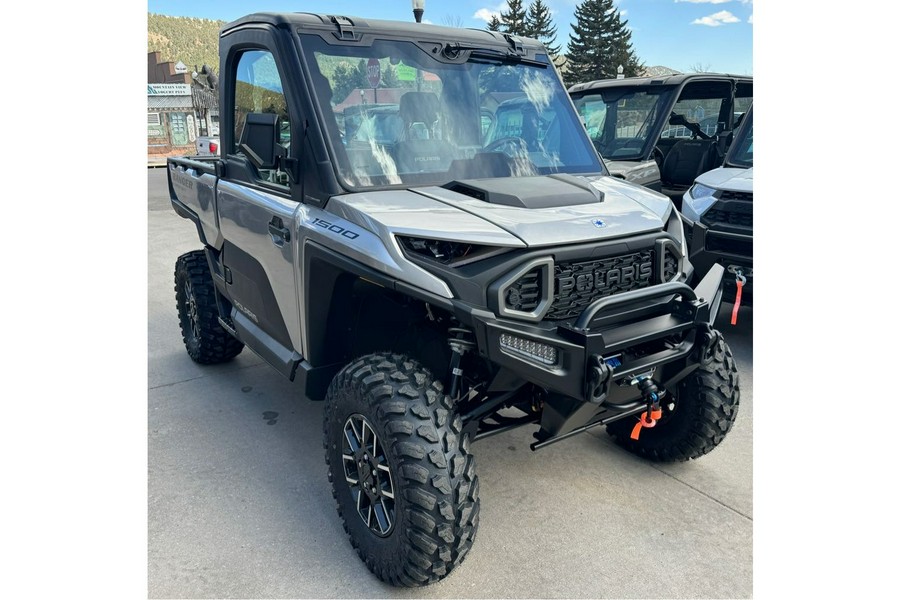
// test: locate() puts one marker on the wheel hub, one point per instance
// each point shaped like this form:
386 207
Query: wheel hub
192 310
368 475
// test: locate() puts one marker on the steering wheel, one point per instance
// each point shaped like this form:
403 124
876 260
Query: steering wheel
511 146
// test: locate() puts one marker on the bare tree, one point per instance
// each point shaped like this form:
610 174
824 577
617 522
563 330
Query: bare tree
699 67
452 20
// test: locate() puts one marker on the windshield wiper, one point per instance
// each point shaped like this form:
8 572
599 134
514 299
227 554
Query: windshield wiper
452 52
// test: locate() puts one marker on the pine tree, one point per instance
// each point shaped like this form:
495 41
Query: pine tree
539 25
495 24
622 50
514 19
600 43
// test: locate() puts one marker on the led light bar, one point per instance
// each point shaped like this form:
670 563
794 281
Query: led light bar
536 351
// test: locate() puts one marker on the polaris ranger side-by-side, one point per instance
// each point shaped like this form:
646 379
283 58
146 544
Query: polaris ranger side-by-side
433 280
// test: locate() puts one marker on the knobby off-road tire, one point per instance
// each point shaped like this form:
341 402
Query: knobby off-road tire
206 341
706 405
432 475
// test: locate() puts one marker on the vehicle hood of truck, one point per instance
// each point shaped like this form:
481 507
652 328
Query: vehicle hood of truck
614 208
730 179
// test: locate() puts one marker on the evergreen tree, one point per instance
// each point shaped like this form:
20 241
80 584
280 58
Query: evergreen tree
389 78
600 42
539 25
514 19
622 51
495 24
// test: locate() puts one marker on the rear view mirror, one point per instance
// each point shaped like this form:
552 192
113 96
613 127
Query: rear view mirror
259 140
677 119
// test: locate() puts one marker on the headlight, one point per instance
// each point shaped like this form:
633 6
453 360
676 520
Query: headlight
697 201
445 252
698 190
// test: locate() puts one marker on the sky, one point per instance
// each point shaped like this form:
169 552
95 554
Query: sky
685 35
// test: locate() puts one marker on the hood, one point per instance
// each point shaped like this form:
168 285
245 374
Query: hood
567 210
581 209
728 178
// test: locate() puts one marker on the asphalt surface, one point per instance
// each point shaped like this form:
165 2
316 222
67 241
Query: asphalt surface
240 506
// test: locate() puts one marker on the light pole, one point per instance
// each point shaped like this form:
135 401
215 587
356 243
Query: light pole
418 9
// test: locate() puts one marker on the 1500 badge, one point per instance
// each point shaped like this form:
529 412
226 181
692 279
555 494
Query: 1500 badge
351 235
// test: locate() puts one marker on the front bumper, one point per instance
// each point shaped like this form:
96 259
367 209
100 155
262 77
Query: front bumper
659 332
708 247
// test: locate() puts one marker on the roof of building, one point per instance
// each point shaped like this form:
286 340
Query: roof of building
169 102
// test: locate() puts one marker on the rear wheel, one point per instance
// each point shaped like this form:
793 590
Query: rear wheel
706 405
400 469
204 338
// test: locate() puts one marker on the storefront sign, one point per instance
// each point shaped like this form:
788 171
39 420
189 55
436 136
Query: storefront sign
168 89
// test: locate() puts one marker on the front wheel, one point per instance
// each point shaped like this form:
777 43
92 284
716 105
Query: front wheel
400 469
706 405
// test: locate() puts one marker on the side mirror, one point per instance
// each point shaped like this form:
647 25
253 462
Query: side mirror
259 140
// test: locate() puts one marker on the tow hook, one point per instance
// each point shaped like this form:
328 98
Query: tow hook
739 281
652 394
599 376
706 345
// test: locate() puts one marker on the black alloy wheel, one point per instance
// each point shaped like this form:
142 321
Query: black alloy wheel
367 472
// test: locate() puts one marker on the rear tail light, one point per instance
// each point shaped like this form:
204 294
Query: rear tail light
213 147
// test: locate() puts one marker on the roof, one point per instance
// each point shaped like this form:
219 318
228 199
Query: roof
401 29
664 80
169 102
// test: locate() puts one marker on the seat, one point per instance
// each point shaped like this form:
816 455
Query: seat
686 160
421 149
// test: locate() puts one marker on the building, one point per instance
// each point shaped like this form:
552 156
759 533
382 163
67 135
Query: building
178 108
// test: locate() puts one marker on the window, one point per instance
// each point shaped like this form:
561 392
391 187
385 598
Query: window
396 114
153 119
619 120
258 89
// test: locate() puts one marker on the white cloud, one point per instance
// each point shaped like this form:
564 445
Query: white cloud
714 20
706 1
623 12
485 14
750 20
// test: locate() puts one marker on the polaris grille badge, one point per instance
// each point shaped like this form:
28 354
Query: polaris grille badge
598 223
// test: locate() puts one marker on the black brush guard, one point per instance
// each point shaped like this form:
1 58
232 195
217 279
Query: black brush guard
662 332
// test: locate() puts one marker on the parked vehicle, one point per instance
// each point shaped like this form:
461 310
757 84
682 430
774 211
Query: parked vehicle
718 213
434 287
661 132
207 146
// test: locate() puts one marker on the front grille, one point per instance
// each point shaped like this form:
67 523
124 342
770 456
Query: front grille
525 294
715 243
744 196
580 283
728 217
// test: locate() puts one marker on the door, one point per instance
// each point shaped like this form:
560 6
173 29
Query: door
258 221
178 126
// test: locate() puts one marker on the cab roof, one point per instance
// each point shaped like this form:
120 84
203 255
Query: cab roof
663 81
347 28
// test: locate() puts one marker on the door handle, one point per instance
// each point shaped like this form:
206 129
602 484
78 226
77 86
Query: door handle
279 231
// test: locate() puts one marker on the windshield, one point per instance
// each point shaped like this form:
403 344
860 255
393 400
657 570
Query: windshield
741 152
619 121
397 116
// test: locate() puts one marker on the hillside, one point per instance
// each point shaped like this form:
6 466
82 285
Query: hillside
190 40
